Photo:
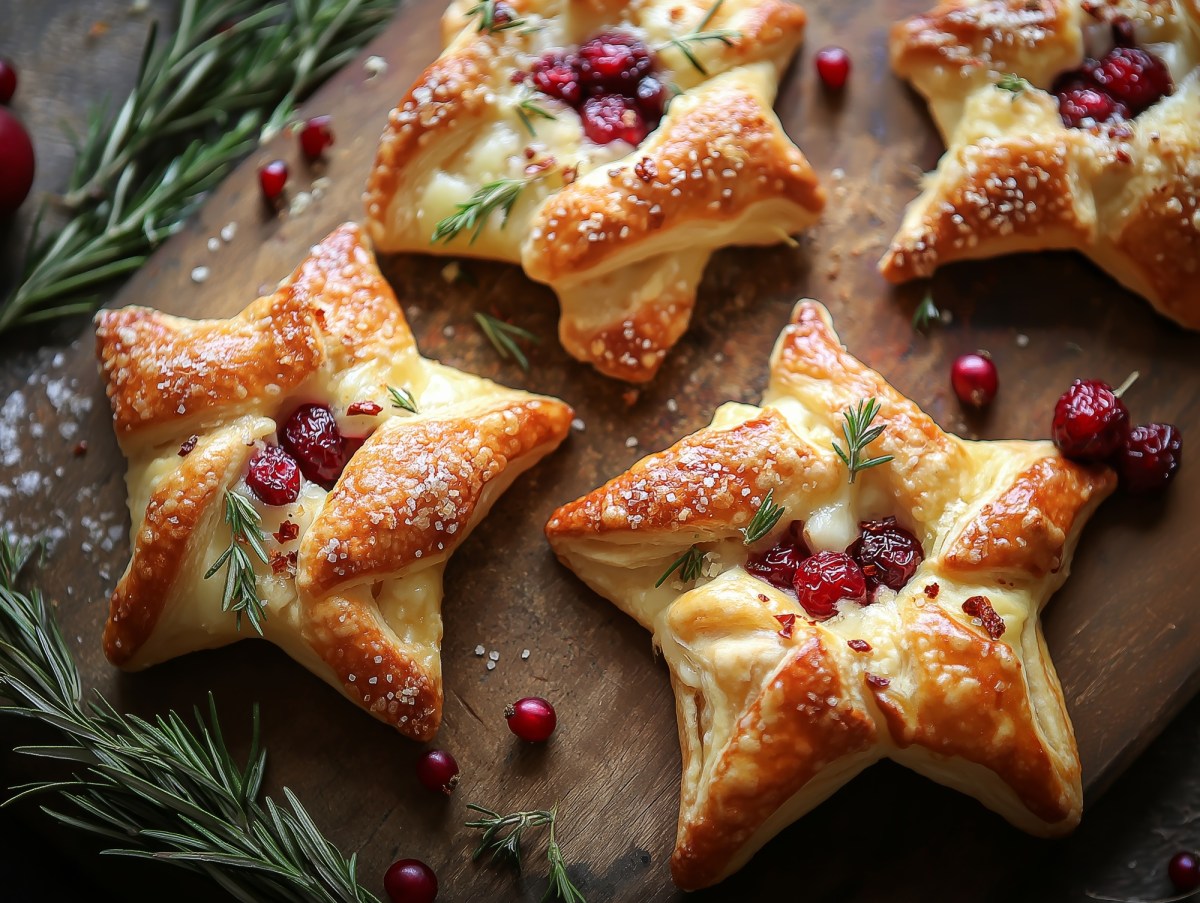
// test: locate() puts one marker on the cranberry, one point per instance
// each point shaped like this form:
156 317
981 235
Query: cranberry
312 437
271 179
8 80
1083 107
16 163
826 579
316 136
652 96
605 119
777 566
531 719
274 476
554 74
1090 421
974 379
888 554
613 63
410 881
1132 77
1184 871
438 771
1149 457
833 66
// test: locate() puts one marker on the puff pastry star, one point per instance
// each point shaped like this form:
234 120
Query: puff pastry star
1015 178
776 710
621 233
354 586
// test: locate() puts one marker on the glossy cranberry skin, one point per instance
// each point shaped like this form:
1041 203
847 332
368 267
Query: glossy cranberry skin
312 437
8 81
652 96
1083 107
887 553
438 771
554 74
272 177
16 163
777 566
1184 871
833 67
1090 422
410 881
532 719
1132 77
316 136
274 476
1150 457
826 579
613 63
612 117
974 379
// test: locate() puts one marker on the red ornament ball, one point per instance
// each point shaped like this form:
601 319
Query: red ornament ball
532 719
410 881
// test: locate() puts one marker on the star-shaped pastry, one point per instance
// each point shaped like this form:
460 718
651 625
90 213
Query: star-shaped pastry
366 464
538 137
1120 183
944 670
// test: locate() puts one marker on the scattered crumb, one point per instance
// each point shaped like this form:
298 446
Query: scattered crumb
374 66
320 185
631 442
838 174
199 274
946 316
301 201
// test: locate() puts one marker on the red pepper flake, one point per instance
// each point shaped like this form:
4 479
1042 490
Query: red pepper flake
788 622
539 166
980 609
645 169
859 645
80 448
762 597
287 532
188 446
879 683
369 408
281 563
932 590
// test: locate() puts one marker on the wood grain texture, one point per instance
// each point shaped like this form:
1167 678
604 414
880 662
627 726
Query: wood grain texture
1122 632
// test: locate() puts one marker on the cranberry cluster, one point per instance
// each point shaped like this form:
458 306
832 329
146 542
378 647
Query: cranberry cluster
610 81
1118 86
311 444
885 554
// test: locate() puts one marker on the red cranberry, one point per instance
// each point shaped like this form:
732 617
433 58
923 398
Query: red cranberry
613 63
777 566
1132 77
833 66
652 97
554 74
1150 456
271 179
888 554
826 579
410 881
16 163
1090 421
438 771
312 437
316 136
8 80
974 379
1184 871
607 118
1083 107
532 719
274 476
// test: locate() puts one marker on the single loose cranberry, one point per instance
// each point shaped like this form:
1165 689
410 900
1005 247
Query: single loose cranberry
316 136
833 66
1184 871
1082 107
1150 456
777 566
8 80
1090 421
438 771
274 476
1132 77
974 379
272 177
16 163
887 553
312 437
531 719
607 118
410 881
613 63
554 73
652 96
826 579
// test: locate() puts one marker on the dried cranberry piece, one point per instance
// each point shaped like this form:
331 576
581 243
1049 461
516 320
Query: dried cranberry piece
652 96
613 63
888 554
1150 457
826 579
1082 107
1090 421
1132 77
312 437
612 117
274 476
981 607
777 566
555 74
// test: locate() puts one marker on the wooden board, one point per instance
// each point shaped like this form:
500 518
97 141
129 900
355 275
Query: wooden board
1122 632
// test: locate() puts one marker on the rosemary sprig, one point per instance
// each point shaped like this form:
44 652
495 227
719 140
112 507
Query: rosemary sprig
764 520
925 315
402 399
159 789
859 434
473 213
560 887
527 109
230 74
503 337
489 21
689 565
241 582
682 43
502 836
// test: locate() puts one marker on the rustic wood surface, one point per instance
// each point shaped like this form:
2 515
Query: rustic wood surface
1122 632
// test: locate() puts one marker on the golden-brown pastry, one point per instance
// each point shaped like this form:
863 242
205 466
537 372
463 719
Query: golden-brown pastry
262 412
941 666
620 227
1121 183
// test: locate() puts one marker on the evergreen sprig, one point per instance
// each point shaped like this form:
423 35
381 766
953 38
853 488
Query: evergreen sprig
502 835
503 337
859 434
690 565
764 520
473 213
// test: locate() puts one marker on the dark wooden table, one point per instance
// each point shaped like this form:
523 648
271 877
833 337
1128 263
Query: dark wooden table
887 836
